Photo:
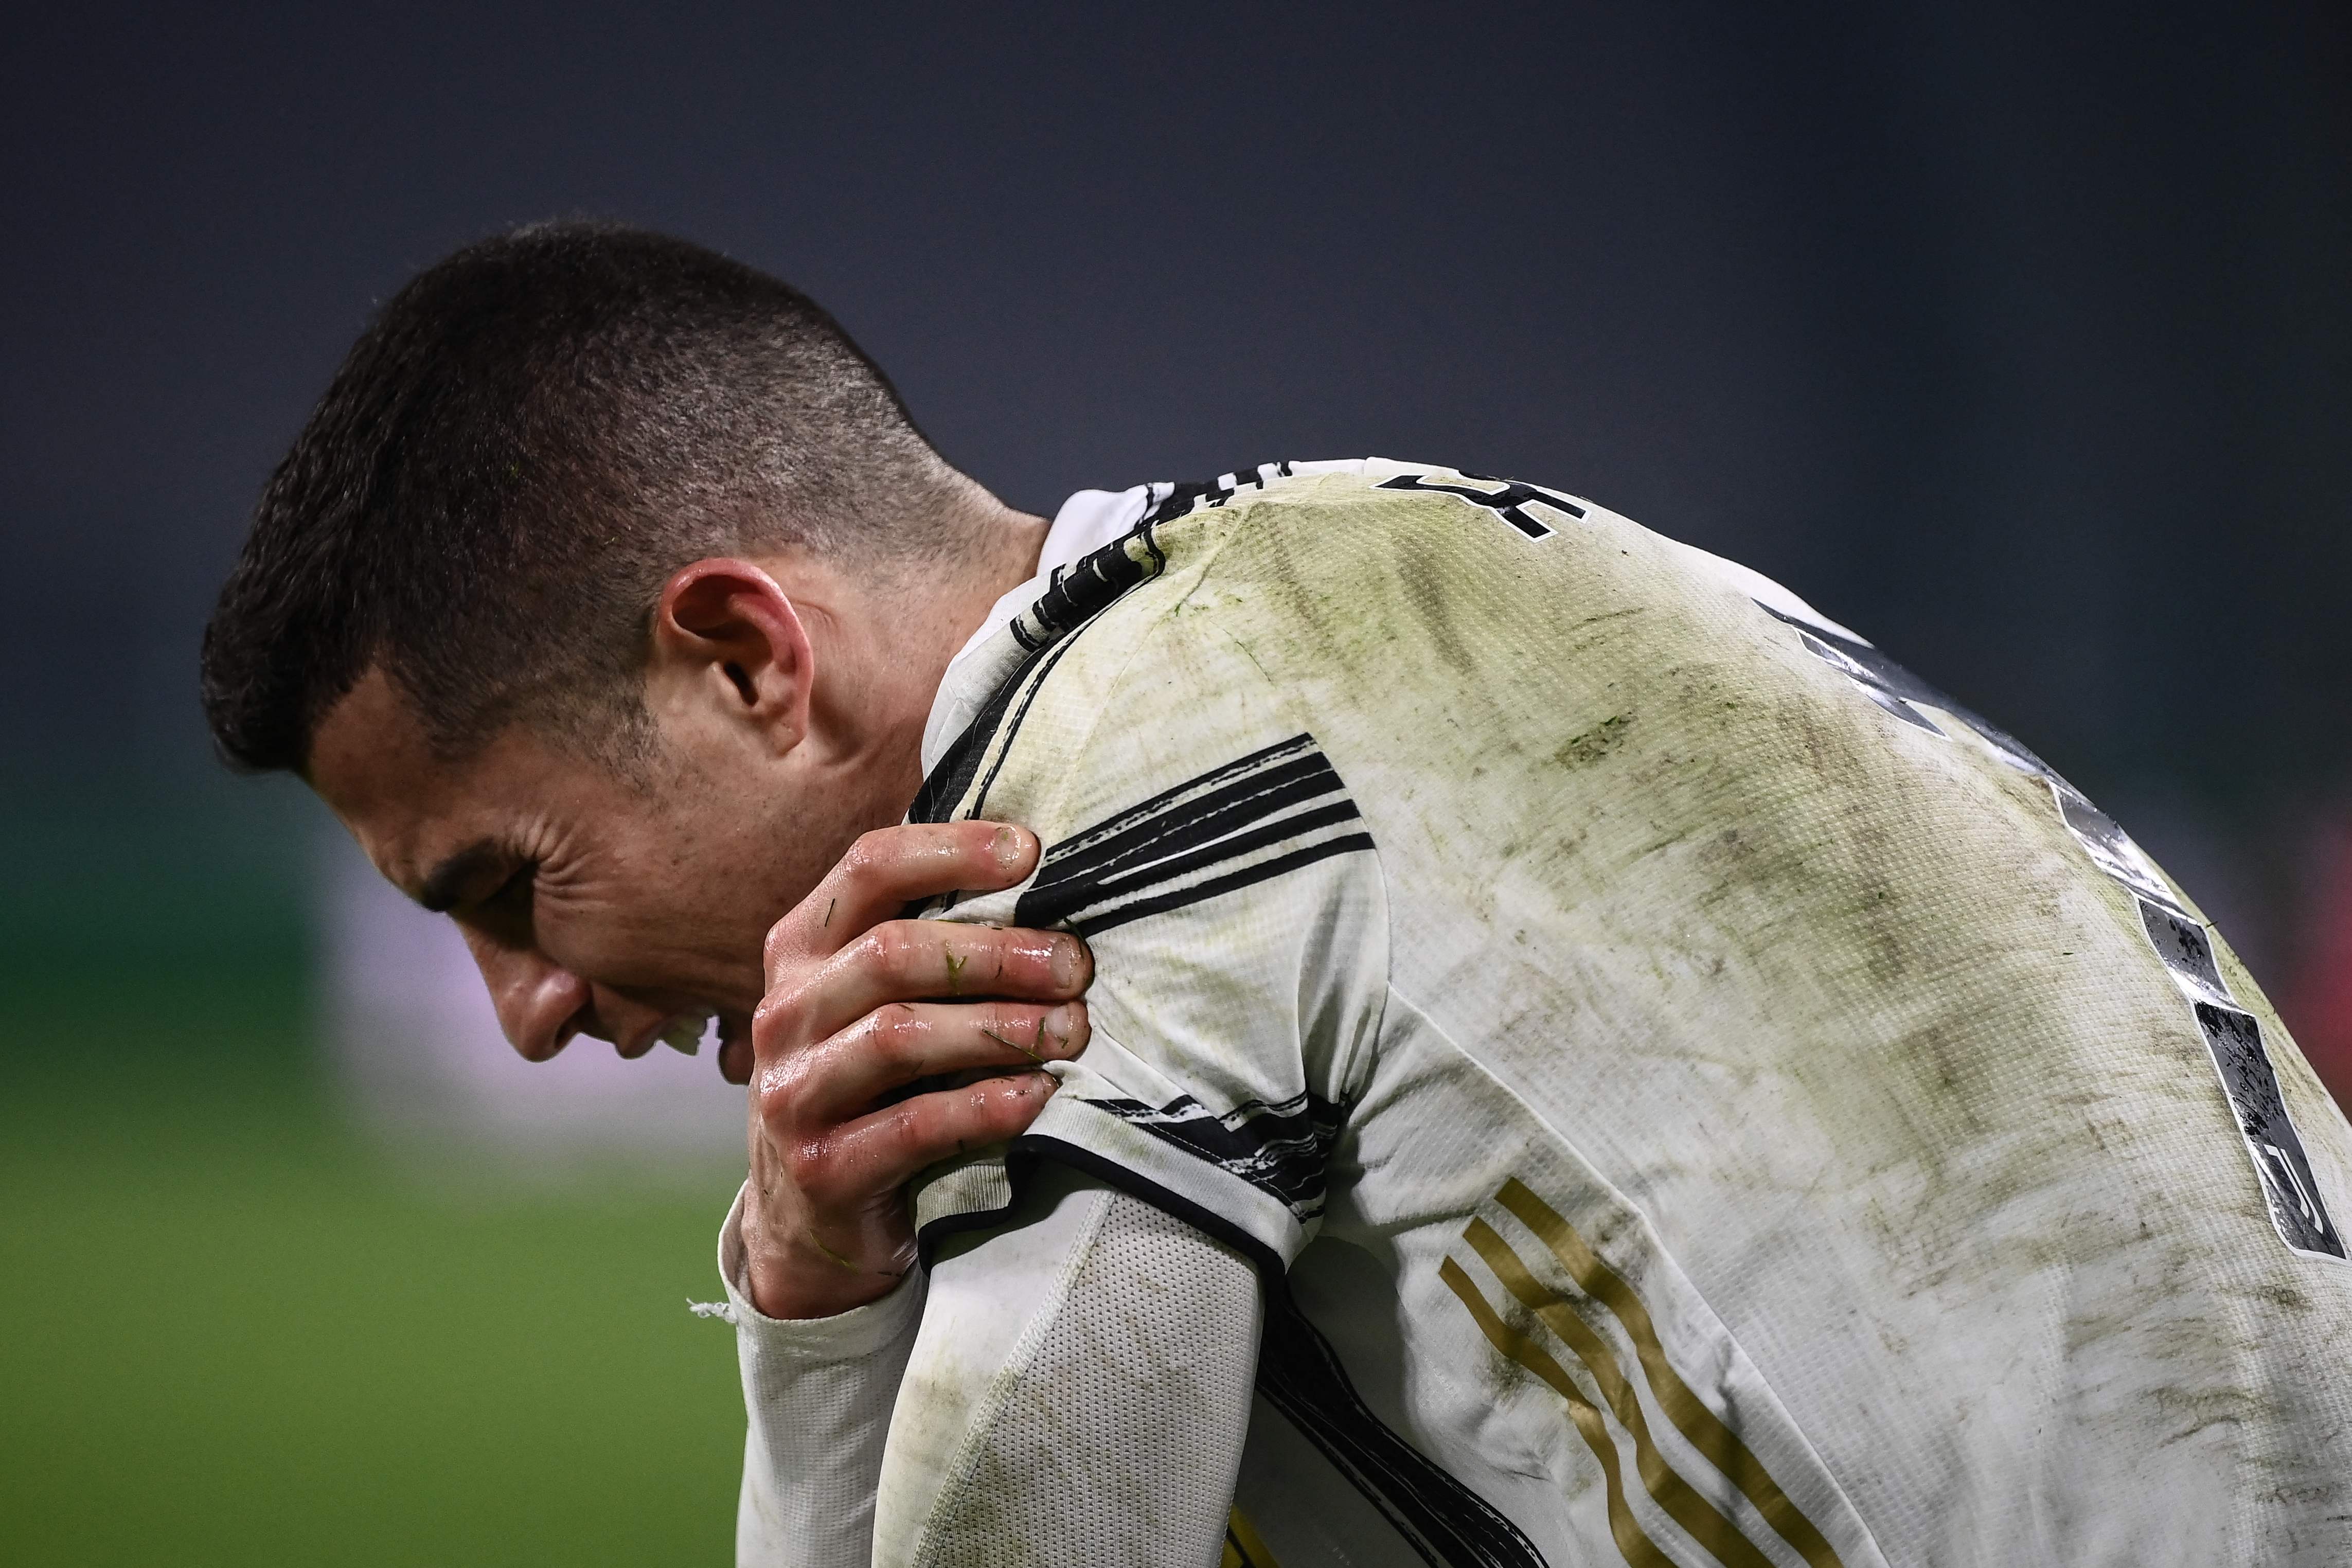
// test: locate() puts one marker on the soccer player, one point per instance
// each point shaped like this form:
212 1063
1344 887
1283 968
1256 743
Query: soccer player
1581 1060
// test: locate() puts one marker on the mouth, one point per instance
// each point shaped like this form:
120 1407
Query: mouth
683 1033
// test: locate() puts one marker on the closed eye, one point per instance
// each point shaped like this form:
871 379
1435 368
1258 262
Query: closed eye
515 892
504 912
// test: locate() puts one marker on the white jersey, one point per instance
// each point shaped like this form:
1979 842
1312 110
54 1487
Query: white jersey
1692 1094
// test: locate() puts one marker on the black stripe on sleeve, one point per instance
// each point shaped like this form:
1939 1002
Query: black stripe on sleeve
1280 1148
1202 820
1091 922
1135 815
1060 900
1207 836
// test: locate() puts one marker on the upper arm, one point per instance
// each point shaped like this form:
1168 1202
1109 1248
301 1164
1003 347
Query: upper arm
1079 1392
1081 1385
1198 837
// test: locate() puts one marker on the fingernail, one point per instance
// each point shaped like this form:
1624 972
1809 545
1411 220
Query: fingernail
1061 1024
1069 961
1006 847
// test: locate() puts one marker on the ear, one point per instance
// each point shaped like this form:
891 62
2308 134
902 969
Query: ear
727 646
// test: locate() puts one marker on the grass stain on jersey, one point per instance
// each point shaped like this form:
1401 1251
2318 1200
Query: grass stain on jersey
1593 745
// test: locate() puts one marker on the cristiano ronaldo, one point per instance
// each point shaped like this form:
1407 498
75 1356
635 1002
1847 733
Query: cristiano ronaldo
1353 1012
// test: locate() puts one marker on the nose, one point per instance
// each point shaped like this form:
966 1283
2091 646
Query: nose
541 1004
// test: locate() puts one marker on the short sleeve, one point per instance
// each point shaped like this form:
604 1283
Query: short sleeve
1199 839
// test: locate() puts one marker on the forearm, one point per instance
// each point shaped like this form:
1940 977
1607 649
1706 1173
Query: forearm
818 1395
1079 1393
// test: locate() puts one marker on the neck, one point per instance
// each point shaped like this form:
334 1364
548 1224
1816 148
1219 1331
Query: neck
885 639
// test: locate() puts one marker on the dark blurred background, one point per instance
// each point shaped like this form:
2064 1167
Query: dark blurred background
2015 335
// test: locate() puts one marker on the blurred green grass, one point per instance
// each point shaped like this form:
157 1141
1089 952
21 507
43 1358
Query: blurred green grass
232 1330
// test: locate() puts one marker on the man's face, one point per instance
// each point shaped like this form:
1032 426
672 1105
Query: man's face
593 905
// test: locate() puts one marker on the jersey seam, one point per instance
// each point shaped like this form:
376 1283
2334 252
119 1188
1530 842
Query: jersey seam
1341 1076
1114 680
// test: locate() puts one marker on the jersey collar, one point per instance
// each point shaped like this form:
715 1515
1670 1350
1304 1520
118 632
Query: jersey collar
1085 522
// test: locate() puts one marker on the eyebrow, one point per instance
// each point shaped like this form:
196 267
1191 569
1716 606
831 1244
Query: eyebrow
445 884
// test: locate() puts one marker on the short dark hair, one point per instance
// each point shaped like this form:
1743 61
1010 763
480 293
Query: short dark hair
525 442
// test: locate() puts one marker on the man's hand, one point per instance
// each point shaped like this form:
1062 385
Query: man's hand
845 1029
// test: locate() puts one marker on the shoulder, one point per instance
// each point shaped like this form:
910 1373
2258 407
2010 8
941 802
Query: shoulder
1121 633
1372 573
1275 602
1198 837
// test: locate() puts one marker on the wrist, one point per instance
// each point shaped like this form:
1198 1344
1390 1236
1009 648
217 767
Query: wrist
801 1278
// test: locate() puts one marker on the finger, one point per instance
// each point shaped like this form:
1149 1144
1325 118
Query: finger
882 1151
909 961
895 1045
891 868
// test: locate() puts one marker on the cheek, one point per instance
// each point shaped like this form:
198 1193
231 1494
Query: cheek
606 924
657 921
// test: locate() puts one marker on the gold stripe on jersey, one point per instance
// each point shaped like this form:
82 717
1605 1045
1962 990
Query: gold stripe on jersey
1244 1548
1706 1523
1699 1425
1639 1550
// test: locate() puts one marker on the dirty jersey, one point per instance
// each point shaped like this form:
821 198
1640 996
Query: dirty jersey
1694 1094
